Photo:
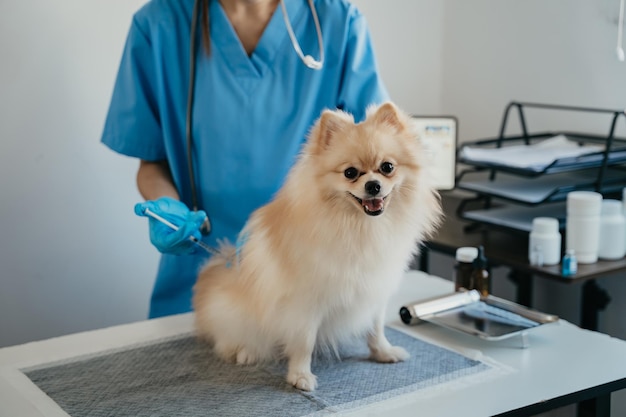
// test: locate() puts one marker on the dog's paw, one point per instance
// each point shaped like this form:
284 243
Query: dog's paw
245 358
390 355
305 381
225 352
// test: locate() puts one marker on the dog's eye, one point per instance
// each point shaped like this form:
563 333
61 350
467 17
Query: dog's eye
386 167
351 173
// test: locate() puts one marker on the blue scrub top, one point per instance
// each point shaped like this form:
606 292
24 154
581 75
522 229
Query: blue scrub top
251 113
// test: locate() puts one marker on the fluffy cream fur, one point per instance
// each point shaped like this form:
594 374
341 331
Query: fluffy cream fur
320 261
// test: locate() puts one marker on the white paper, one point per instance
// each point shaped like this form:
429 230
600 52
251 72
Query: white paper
537 156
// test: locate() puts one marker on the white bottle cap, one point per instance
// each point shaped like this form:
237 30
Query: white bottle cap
546 225
584 203
466 254
611 207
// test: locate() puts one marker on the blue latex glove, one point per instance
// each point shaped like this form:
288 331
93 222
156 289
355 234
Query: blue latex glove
166 239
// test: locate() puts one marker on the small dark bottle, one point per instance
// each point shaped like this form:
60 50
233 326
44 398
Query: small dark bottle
480 275
464 266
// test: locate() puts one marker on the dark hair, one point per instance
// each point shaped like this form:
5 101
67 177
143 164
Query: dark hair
206 41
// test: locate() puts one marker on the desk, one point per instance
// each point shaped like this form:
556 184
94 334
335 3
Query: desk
548 374
510 249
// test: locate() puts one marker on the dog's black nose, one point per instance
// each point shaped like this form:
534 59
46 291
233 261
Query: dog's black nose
372 187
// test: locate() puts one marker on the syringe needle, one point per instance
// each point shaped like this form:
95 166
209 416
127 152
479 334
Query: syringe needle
172 226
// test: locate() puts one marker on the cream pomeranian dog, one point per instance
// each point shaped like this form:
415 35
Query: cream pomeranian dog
317 264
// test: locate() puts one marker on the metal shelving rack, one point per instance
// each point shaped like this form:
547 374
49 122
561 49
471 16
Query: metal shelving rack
543 190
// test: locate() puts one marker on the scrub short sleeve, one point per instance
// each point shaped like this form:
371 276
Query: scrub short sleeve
361 85
132 125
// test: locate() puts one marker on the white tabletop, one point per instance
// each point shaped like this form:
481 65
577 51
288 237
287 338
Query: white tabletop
561 359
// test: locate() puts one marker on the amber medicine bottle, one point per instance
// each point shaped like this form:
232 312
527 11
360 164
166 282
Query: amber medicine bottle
464 267
480 275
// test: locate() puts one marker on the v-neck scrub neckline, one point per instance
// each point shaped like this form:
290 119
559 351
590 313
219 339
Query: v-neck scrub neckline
273 39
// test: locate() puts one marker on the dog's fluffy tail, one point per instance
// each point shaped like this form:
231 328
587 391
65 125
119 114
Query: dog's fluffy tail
225 255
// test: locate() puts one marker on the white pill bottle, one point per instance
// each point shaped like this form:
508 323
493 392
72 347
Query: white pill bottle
612 231
582 230
544 242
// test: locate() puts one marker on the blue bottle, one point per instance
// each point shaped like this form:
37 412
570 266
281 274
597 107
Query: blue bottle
569 266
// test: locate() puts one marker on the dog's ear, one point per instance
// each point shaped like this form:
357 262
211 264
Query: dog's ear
330 124
389 114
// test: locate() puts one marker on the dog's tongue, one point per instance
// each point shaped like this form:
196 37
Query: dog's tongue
373 204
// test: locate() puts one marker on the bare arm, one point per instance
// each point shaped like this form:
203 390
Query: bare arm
154 180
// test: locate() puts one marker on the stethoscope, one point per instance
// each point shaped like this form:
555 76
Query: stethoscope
308 60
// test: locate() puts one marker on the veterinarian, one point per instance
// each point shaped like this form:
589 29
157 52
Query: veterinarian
259 78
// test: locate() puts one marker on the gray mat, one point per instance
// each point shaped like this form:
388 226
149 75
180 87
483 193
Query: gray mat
181 377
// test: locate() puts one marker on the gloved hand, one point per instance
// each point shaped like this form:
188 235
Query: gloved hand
166 239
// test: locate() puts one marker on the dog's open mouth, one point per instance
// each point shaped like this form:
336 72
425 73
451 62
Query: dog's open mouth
372 206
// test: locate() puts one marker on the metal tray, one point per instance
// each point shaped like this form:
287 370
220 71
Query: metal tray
537 191
489 318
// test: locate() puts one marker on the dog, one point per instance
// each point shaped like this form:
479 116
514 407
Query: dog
316 266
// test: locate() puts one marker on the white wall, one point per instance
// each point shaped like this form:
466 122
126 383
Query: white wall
73 257
408 37
558 51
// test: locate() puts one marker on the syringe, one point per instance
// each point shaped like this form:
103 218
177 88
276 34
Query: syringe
172 226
